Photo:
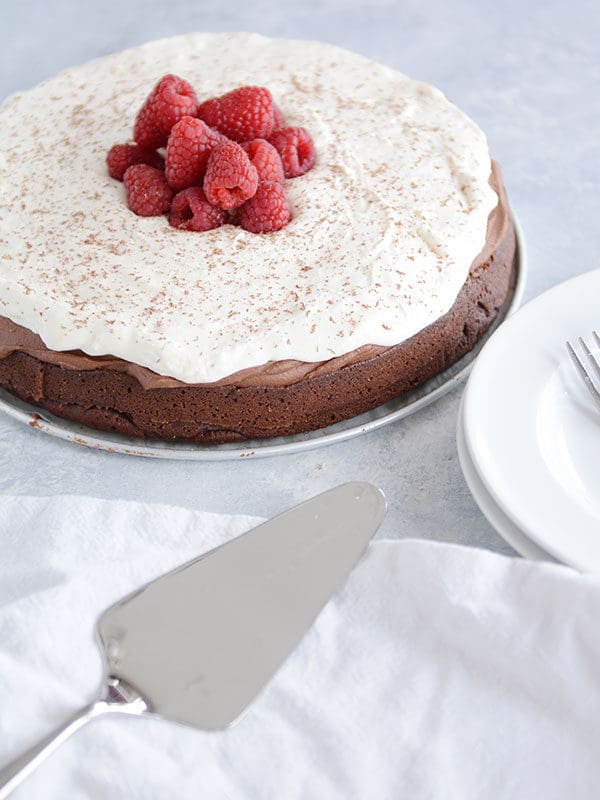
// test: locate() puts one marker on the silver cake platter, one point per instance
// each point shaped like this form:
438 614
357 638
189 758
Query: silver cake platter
394 410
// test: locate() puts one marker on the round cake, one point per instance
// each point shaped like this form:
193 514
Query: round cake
397 259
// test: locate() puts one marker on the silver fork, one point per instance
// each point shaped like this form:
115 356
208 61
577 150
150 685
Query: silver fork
587 365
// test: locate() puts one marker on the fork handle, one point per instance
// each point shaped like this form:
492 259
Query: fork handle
19 769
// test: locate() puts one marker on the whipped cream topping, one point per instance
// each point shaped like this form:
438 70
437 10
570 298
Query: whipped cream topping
385 227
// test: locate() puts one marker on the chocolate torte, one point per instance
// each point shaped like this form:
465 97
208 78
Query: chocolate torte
397 259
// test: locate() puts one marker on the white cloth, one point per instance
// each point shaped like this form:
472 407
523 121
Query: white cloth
437 672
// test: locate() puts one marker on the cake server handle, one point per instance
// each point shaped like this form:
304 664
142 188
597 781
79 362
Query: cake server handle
14 773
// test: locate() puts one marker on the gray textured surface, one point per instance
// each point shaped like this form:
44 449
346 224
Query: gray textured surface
529 74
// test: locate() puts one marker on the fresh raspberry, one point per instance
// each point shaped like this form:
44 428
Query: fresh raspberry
242 114
267 211
122 156
147 190
296 149
191 211
188 149
171 99
230 177
266 160
278 118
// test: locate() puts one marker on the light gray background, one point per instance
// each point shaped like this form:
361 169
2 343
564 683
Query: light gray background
528 73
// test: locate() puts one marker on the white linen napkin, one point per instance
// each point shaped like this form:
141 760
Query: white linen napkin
438 671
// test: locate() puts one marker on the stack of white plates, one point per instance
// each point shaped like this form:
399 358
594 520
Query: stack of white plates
529 433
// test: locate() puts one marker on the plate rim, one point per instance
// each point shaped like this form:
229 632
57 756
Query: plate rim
74 433
581 551
495 515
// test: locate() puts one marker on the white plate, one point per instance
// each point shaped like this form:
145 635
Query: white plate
490 510
395 410
532 430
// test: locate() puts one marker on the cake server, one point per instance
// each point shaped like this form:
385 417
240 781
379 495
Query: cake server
197 645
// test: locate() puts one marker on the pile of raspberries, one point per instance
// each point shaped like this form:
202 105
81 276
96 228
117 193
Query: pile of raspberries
226 159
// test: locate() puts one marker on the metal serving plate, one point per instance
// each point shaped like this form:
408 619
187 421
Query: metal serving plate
394 410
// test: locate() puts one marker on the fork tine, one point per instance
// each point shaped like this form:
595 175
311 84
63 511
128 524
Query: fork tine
587 378
596 338
592 359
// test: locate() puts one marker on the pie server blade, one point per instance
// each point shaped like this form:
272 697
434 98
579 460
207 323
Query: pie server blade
197 645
